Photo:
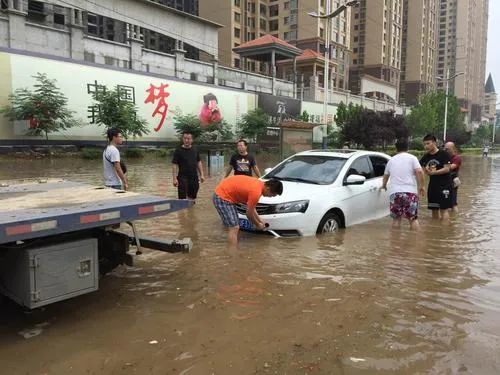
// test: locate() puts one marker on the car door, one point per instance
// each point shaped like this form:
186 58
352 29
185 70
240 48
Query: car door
359 199
380 198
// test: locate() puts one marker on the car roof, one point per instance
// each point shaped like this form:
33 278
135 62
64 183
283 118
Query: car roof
341 153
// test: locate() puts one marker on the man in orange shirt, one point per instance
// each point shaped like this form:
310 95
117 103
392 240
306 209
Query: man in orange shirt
245 190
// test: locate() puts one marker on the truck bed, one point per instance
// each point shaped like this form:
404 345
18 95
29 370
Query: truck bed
36 209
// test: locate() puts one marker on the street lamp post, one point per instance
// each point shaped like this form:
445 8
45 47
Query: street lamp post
327 33
494 125
447 79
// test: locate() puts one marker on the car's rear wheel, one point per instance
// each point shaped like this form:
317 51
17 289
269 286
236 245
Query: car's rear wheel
330 223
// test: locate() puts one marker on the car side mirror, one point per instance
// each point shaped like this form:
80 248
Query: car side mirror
267 170
355 179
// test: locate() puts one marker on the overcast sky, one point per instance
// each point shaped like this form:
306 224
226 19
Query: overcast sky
493 58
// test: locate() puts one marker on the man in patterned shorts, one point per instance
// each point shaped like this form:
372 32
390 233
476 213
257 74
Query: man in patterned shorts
406 182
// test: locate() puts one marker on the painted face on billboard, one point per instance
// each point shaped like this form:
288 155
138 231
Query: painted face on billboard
210 112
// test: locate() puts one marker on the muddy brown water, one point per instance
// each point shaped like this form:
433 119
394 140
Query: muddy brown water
366 300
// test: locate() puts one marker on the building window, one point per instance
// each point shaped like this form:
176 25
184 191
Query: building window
263 10
321 33
237 17
286 20
273 25
237 3
286 5
263 24
274 11
36 11
237 32
236 63
59 19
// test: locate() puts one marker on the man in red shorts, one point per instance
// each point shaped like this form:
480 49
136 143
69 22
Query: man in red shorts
244 190
406 182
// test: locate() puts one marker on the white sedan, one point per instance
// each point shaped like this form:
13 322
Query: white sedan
324 191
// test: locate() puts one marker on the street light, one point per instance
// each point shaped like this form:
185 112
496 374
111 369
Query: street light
447 79
494 125
327 17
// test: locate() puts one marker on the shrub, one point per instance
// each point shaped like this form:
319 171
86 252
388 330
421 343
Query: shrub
91 153
134 152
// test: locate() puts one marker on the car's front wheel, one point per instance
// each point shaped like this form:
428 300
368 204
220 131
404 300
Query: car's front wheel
330 223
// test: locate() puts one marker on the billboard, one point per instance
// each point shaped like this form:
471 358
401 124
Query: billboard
158 99
279 107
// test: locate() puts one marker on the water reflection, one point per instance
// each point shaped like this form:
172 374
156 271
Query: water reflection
365 300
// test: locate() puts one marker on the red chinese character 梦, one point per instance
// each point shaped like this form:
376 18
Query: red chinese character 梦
158 94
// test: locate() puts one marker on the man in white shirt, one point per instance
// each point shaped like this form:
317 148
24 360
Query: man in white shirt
114 176
406 182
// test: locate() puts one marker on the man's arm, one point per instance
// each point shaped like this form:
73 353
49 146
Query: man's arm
419 173
456 164
174 174
256 170
228 171
439 172
385 179
121 175
200 171
254 217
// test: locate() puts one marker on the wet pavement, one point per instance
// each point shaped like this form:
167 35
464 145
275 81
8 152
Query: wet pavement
366 300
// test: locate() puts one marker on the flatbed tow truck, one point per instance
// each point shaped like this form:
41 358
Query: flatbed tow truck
57 236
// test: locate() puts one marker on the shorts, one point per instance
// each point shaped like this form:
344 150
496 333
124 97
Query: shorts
188 187
439 197
227 211
404 205
454 195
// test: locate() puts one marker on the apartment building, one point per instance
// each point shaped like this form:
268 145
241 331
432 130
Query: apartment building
246 20
376 41
418 54
463 30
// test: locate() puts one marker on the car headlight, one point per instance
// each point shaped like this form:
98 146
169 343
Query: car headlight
297 206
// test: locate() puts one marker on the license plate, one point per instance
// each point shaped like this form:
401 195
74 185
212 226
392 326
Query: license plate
246 225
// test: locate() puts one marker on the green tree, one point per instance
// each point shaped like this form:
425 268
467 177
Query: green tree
253 123
482 135
427 116
304 116
118 113
45 107
216 132
189 123
345 114
373 129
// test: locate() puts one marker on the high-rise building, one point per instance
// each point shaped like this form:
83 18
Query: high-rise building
246 20
376 37
418 54
463 29
490 100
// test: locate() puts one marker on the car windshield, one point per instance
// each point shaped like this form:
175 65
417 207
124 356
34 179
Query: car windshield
311 169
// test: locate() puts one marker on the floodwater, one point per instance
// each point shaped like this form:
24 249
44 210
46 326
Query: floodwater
367 300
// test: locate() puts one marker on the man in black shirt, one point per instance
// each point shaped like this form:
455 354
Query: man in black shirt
436 164
187 168
242 162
